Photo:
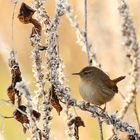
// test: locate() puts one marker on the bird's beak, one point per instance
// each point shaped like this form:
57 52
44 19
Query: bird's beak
75 73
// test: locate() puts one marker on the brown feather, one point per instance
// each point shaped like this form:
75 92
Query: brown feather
111 85
116 80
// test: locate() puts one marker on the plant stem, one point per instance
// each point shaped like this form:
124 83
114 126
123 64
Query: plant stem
100 128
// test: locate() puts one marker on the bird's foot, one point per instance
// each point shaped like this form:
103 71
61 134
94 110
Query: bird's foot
87 104
104 109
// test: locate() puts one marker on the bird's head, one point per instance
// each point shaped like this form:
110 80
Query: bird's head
86 73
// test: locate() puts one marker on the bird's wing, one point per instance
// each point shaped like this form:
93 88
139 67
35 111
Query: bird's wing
108 83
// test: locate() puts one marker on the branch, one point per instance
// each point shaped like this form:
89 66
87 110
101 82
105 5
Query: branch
88 50
35 132
82 37
136 114
86 33
110 119
132 47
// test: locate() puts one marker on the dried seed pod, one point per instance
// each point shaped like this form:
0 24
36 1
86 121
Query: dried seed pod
25 13
54 100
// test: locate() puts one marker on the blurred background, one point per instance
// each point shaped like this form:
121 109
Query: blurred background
104 32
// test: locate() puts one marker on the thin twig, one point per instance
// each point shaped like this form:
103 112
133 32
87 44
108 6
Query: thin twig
132 48
13 17
136 113
122 96
35 131
86 32
64 90
112 119
9 102
55 63
88 55
80 33
39 75
100 128
6 117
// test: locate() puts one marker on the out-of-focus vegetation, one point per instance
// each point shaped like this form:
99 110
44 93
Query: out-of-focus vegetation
105 35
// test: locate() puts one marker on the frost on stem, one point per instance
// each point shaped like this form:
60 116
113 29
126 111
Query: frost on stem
14 1
54 62
57 77
46 117
22 118
37 70
112 119
81 34
40 83
35 131
20 88
26 16
16 77
132 47
37 4
38 73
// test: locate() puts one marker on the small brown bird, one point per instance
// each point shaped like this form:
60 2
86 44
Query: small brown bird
95 86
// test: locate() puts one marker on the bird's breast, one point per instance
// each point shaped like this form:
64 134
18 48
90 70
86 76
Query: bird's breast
88 92
92 93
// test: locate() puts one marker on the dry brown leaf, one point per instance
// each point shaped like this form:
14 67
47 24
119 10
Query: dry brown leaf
11 94
16 77
25 16
37 27
22 118
77 121
54 100
25 13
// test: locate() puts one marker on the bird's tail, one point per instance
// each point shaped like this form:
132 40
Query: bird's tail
116 80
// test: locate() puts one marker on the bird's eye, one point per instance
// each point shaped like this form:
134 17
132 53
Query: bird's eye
86 72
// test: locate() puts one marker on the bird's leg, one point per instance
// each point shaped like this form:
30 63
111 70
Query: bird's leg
87 104
104 109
